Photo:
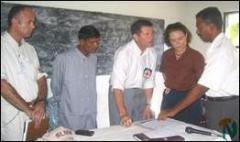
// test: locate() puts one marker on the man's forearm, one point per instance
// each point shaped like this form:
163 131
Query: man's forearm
148 95
42 89
11 96
118 98
192 96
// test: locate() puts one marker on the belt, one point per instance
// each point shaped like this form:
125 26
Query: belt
226 98
168 90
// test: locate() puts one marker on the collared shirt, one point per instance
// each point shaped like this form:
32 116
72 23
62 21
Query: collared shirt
20 68
132 68
221 73
184 73
74 83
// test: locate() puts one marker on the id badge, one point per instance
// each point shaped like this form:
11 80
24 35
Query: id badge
147 73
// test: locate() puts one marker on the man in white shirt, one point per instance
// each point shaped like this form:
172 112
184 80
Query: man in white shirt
220 78
23 87
132 78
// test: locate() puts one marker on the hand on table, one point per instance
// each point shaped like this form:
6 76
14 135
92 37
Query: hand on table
125 121
164 114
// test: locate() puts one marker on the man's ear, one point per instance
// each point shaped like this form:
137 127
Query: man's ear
81 41
135 37
14 20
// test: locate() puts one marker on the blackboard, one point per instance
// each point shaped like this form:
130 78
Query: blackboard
57 31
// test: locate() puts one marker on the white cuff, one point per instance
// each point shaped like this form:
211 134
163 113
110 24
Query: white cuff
3 76
117 86
41 75
149 84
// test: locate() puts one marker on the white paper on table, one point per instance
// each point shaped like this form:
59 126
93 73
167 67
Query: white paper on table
150 124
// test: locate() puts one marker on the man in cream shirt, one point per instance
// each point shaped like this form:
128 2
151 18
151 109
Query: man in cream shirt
23 87
132 78
220 78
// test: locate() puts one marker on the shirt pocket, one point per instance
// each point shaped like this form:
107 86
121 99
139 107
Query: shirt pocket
28 68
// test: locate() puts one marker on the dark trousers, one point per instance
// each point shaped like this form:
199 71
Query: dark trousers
223 116
191 114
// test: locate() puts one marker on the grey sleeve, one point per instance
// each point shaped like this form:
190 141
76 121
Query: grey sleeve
57 77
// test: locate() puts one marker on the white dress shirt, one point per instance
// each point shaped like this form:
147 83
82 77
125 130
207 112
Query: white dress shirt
20 68
221 73
129 67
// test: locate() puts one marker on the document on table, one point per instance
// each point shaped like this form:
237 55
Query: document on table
153 124
160 128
